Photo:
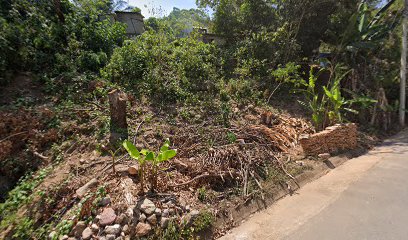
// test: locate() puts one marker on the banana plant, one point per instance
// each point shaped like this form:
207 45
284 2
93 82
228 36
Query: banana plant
364 32
163 155
135 154
333 93
313 101
145 156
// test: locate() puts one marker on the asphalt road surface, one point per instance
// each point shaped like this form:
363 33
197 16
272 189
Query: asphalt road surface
365 198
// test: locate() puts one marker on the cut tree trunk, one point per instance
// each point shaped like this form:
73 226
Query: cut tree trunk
381 114
118 123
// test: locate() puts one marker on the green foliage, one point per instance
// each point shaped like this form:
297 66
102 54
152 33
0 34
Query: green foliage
146 156
203 221
232 138
202 194
364 31
225 108
175 231
326 105
170 233
64 227
24 229
336 101
163 67
55 37
113 156
182 21
305 23
240 90
289 73
314 102
20 195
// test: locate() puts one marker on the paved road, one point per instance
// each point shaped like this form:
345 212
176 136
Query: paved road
365 198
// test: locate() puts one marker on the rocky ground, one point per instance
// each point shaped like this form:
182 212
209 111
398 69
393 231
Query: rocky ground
135 222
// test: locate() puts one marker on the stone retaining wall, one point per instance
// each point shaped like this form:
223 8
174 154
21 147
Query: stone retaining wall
331 140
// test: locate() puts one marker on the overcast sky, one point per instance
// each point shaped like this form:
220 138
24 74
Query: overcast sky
158 8
161 7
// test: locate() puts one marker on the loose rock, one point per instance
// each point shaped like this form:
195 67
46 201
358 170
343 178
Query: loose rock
114 229
164 222
152 219
110 237
78 229
158 212
148 207
142 218
133 170
189 218
165 213
87 234
107 217
125 229
129 212
97 218
142 229
105 201
170 204
95 228
82 191
122 219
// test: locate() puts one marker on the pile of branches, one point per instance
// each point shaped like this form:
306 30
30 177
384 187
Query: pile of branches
256 148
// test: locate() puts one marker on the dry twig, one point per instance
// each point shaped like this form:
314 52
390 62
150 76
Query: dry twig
12 135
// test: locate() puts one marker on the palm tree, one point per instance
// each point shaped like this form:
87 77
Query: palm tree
403 65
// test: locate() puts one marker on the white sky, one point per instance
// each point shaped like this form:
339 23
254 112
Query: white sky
158 8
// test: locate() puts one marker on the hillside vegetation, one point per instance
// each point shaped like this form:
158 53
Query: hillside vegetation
211 128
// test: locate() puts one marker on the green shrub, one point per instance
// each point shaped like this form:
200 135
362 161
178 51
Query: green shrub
165 68
92 61
204 220
45 38
243 89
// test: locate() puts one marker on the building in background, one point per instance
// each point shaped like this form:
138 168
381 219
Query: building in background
210 37
133 20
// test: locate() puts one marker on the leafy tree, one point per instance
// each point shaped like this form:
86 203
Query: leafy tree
306 21
182 21
56 36
164 67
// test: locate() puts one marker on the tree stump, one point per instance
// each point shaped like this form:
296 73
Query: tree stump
118 123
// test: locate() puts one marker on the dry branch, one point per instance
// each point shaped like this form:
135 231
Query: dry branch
12 135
